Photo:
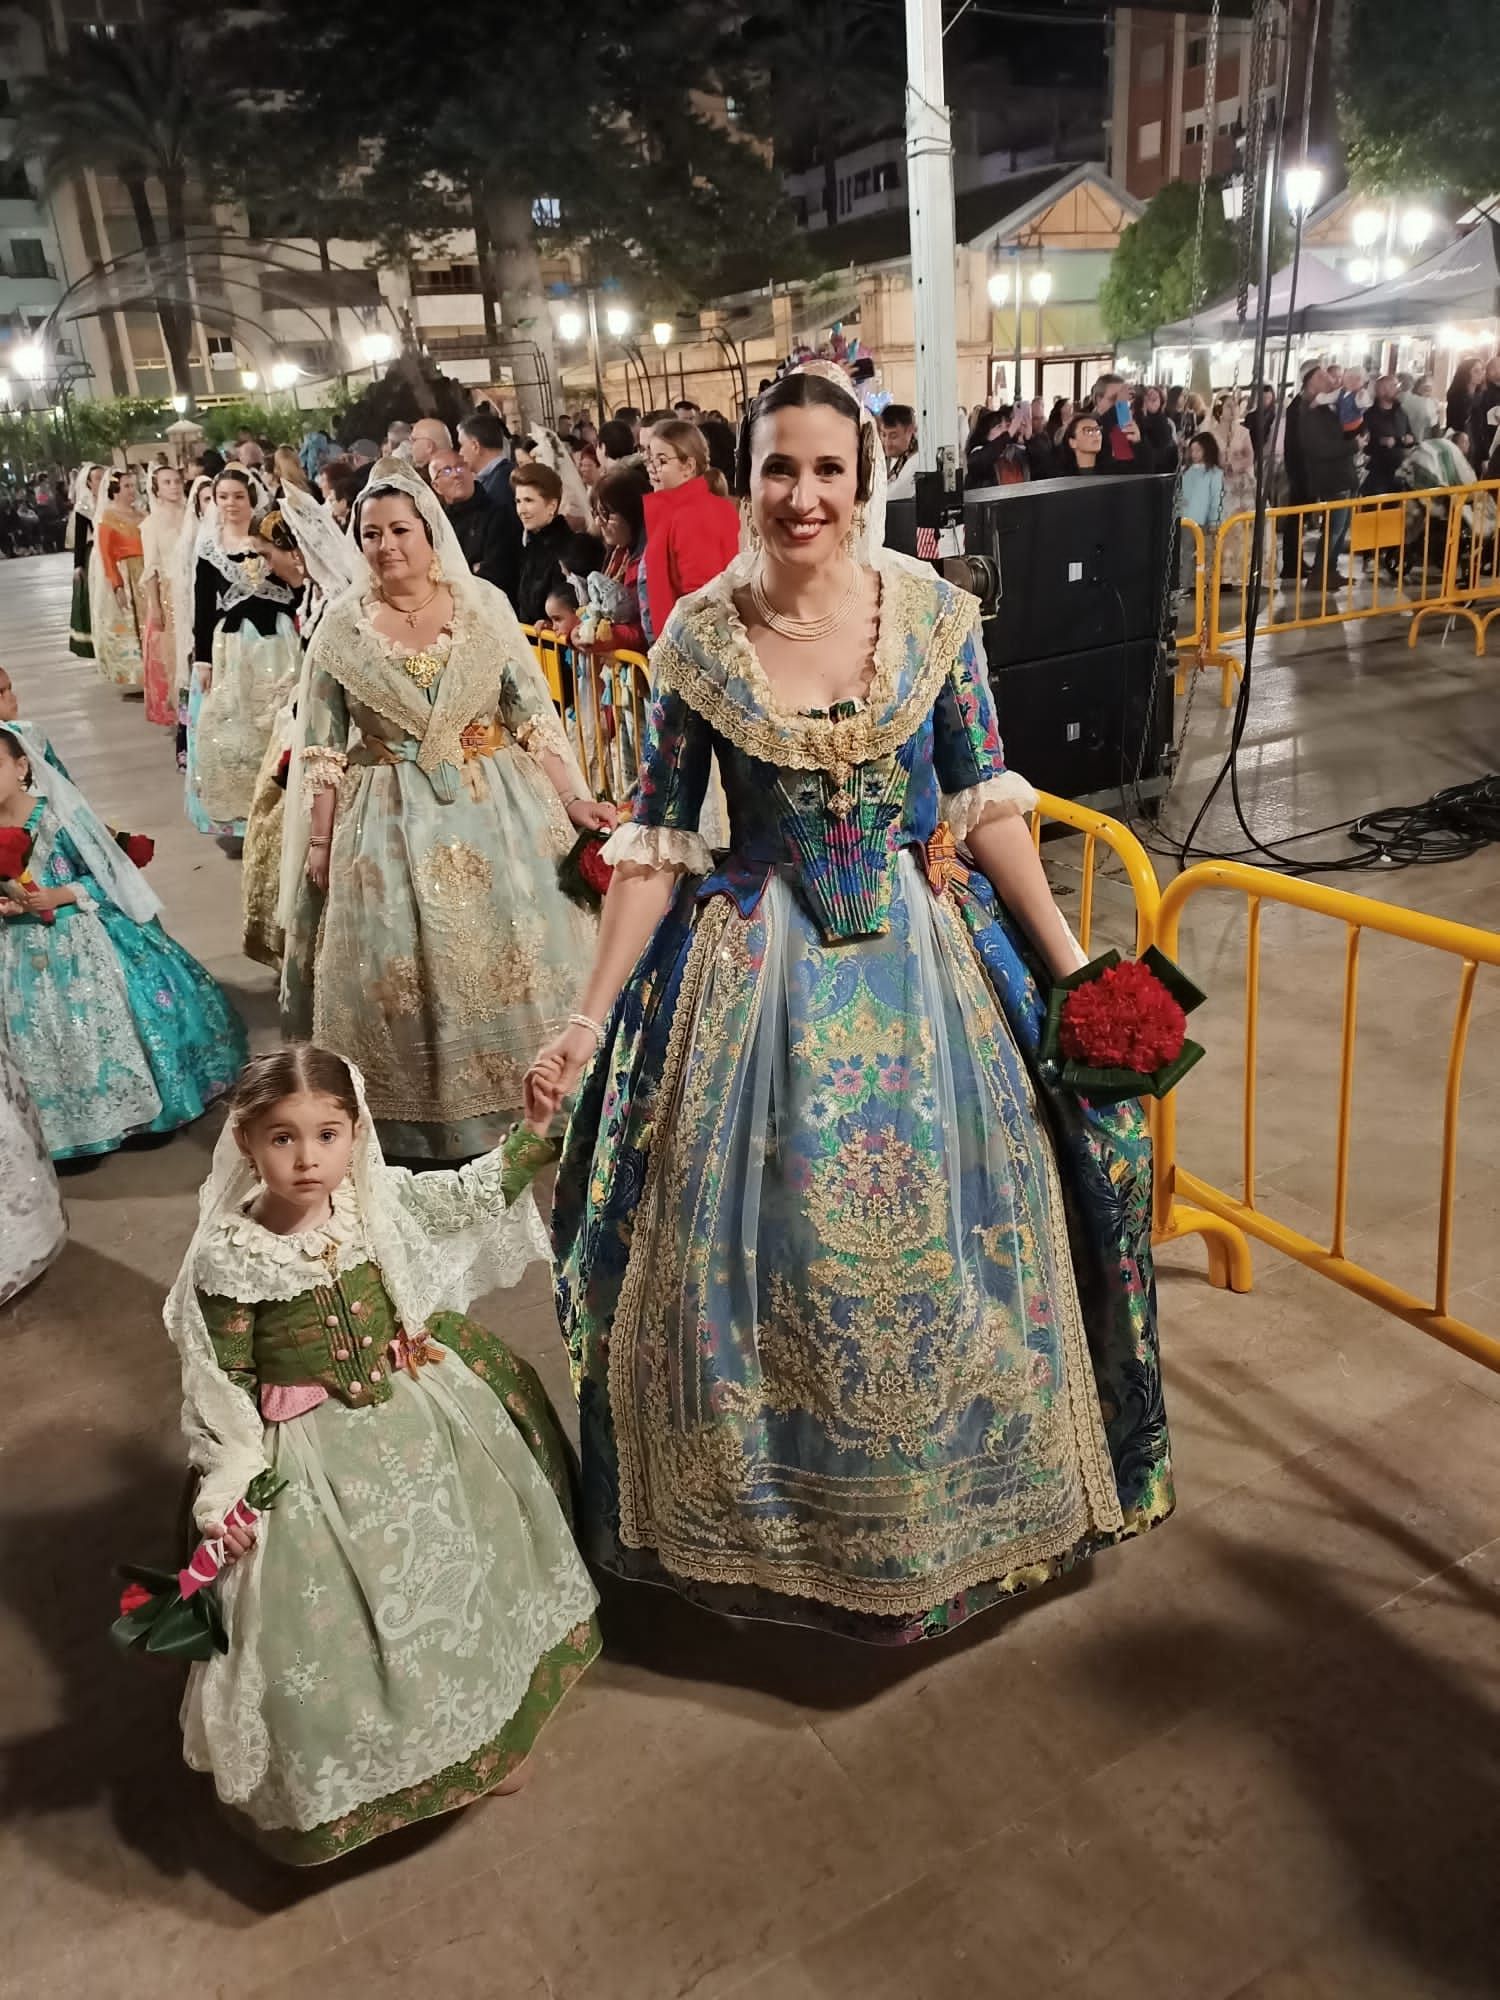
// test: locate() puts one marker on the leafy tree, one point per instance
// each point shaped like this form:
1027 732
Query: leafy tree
1414 125
829 75
123 103
594 133
101 424
1149 281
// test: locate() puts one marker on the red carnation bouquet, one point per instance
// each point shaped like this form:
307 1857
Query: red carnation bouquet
1117 1028
136 847
583 873
15 863
177 1611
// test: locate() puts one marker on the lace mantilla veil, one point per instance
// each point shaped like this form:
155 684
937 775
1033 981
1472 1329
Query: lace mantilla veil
225 1433
490 607
118 876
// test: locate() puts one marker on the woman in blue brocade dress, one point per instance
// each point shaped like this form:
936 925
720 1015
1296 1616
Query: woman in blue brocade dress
861 1307
116 1029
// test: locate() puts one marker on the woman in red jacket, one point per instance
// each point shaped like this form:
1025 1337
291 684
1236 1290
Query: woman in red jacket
692 527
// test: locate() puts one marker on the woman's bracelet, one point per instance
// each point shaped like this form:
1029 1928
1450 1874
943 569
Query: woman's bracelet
595 1028
321 840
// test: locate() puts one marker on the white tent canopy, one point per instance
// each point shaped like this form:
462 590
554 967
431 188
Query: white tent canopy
1317 284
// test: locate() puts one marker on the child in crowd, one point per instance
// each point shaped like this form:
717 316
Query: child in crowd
116 1029
1202 499
562 612
410 1610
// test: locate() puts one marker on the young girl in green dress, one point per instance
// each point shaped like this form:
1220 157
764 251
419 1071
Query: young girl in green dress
407 1615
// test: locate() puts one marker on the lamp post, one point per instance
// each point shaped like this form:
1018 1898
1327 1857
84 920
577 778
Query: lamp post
376 349
1041 291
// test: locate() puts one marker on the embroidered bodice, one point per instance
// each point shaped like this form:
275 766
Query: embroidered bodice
828 798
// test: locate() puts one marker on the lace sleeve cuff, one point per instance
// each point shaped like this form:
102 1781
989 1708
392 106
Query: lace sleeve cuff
658 847
541 733
996 798
322 770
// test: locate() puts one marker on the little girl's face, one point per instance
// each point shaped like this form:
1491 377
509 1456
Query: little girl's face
1195 452
301 1146
12 778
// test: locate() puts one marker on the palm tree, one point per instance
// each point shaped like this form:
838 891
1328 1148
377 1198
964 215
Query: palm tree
117 100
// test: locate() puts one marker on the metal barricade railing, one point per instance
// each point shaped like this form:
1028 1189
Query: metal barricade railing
1432 550
1187 1204
1471 563
1099 831
1192 643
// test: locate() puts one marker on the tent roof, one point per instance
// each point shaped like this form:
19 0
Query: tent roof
1459 282
1317 284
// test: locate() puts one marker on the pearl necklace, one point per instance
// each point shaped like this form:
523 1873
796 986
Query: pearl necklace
804 628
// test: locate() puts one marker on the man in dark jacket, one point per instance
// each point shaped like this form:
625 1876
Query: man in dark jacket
1320 462
1123 450
489 536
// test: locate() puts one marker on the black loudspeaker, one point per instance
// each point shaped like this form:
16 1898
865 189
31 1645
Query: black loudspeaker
1082 725
1066 564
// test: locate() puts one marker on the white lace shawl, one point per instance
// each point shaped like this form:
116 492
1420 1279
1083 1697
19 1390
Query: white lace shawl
440 1239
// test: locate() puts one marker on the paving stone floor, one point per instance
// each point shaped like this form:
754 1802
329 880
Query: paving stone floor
1256 1754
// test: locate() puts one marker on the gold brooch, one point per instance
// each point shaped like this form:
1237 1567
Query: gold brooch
423 668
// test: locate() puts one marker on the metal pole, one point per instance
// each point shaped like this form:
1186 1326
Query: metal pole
594 351
1015 387
929 155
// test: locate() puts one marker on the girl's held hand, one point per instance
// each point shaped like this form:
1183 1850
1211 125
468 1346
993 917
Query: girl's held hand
593 816
237 1541
9 907
39 900
554 1075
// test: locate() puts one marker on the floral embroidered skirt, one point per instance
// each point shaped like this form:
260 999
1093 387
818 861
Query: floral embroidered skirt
446 954
115 628
33 1227
415 1611
116 1028
230 723
848 1353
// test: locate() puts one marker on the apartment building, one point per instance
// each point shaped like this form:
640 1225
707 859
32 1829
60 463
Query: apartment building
1160 120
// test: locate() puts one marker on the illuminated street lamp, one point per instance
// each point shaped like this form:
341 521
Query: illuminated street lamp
1367 227
661 332
284 374
999 288
1416 227
617 319
1302 186
249 380
179 404
570 325
4 392
377 348
1362 270
31 362
1040 287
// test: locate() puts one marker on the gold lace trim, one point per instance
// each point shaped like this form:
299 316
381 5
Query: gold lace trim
1097 1506
805 742
637 1531
322 770
368 666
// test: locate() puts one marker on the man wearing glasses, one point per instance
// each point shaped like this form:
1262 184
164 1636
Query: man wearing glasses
488 534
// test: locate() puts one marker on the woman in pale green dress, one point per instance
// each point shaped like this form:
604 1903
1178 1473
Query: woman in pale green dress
431 797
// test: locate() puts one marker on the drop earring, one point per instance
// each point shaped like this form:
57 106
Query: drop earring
434 571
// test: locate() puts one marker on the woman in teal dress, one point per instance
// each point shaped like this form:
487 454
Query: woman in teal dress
431 796
860 1304
116 1029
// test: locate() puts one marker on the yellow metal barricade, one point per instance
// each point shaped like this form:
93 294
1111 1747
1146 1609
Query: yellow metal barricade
1432 550
1187 1205
1471 563
1099 831
1192 643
